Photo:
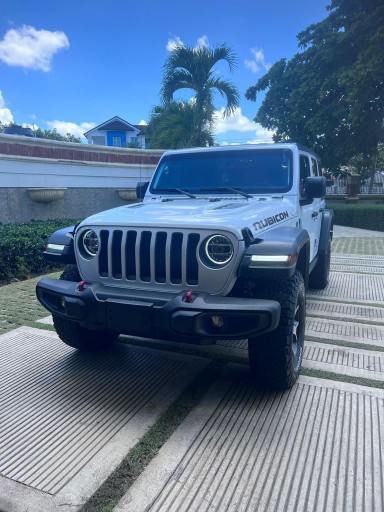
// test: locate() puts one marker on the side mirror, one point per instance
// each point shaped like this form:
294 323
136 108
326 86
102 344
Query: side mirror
315 187
141 189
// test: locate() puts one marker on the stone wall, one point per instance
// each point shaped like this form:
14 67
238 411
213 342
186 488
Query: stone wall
16 204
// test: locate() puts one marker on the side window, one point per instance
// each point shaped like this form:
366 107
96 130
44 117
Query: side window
319 168
315 171
305 172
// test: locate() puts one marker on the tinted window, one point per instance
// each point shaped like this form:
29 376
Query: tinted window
253 171
304 173
315 171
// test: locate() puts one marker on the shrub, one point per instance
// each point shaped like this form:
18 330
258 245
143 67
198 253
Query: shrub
22 246
363 216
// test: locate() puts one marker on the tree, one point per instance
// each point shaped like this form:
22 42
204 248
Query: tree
45 134
172 126
330 95
133 145
193 68
55 135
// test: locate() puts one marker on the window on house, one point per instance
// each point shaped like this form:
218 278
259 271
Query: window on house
116 142
98 140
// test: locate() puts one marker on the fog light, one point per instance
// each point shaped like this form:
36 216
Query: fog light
62 302
217 321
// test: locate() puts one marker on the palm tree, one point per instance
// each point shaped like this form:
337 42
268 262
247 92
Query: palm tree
192 68
171 126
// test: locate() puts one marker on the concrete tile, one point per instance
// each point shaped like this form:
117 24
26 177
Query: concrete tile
357 269
348 311
67 418
48 320
367 364
346 286
329 329
344 231
317 447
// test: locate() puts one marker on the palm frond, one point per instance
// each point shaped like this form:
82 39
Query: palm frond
229 92
172 82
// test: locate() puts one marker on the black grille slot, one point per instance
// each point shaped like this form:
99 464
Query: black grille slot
160 257
175 257
192 268
103 255
116 254
145 256
130 256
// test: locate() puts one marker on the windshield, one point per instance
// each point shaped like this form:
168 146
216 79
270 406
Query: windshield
260 171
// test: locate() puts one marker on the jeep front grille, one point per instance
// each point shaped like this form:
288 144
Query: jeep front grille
136 255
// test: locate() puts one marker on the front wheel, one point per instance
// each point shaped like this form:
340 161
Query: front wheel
76 336
275 358
72 333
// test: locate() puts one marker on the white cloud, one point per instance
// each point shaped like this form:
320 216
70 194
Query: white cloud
257 62
173 43
237 122
6 115
64 127
203 42
142 122
261 135
31 48
240 123
250 64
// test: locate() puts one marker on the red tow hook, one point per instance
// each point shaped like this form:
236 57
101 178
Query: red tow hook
81 285
188 296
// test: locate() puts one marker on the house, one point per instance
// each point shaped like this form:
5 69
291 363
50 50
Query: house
119 133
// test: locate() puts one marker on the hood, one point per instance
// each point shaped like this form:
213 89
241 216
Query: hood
224 214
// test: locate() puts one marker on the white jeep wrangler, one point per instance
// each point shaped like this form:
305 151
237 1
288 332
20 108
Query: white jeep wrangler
223 246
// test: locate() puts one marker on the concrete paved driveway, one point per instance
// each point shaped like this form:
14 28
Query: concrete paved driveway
67 420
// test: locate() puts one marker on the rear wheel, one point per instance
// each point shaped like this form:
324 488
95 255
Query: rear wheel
72 333
319 276
275 358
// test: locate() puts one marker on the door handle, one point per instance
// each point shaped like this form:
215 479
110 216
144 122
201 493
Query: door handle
315 214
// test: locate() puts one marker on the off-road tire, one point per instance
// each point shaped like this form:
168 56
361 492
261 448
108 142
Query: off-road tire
319 276
275 358
71 273
72 333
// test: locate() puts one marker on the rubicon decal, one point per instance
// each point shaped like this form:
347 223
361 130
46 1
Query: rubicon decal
271 220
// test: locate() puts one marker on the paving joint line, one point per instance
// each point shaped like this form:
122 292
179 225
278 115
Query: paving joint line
360 320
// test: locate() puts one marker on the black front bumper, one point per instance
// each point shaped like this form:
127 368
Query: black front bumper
157 314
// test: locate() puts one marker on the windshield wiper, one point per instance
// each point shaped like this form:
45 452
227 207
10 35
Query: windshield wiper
227 189
180 190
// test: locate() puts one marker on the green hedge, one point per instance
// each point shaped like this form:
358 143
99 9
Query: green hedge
363 215
22 246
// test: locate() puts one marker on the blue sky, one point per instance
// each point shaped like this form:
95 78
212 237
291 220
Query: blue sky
73 65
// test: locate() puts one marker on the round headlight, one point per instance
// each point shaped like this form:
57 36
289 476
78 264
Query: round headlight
219 249
90 242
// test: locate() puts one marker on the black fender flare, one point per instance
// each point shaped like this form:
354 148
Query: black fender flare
282 241
60 246
326 232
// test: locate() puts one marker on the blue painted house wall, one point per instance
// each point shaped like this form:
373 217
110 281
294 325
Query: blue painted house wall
122 135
